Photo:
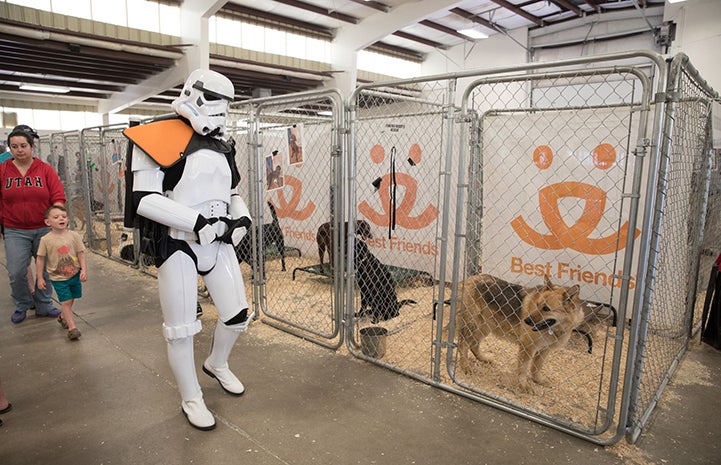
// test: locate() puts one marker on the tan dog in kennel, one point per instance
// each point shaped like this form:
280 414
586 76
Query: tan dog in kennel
538 319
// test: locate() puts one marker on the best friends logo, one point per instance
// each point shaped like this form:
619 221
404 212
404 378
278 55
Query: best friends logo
580 236
402 211
577 236
291 208
399 212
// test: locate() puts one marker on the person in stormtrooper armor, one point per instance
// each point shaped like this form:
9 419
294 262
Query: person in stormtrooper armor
184 200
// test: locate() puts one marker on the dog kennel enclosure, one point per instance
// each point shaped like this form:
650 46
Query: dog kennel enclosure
596 171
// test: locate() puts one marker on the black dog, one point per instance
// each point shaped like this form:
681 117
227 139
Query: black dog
272 234
324 238
378 292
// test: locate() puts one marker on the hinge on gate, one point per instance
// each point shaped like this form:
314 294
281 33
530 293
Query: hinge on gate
640 150
659 97
445 344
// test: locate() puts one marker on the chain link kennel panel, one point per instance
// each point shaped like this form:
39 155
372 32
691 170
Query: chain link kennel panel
674 287
105 149
67 157
296 163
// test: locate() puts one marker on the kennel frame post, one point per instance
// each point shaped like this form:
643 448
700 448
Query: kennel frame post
255 189
437 343
350 175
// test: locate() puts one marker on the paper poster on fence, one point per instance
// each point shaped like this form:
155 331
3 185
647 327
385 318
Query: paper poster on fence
295 144
553 202
274 171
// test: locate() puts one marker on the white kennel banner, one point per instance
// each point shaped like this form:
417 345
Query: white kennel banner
553 185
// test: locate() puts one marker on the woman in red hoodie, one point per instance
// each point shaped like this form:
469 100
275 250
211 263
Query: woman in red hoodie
29 186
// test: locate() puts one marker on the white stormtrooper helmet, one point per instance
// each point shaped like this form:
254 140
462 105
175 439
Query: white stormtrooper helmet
204 101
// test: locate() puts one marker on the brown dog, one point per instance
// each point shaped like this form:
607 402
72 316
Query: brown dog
539 319
324 238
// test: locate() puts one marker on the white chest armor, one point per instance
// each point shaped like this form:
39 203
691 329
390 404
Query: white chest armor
206 179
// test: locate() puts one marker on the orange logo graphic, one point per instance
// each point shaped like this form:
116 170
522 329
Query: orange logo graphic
289 208
403 211
575 237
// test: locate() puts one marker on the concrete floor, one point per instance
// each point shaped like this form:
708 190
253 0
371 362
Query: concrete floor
110 398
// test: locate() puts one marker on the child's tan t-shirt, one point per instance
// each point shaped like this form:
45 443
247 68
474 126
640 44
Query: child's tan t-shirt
61 254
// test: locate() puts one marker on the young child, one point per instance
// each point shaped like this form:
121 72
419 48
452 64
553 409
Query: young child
63 253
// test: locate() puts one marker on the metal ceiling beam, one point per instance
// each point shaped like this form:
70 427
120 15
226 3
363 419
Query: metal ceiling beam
567 6
397 51
519 11
235 11
72 93
321 11
593 4
477 19
358 37
420 40
75 42
60 82
440 27
373 4
91 65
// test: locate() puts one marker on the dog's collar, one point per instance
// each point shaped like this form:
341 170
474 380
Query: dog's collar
544 325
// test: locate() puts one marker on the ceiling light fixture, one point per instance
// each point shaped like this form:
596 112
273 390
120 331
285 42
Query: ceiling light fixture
676 1
44 88
473 33
325 113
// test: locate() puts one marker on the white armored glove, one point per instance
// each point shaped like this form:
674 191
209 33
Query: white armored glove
236 230
238 222
204 229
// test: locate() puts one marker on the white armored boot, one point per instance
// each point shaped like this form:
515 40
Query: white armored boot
180 357
216 365
197 413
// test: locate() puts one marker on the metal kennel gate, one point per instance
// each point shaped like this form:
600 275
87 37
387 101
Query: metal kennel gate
294 159
531 150
552 143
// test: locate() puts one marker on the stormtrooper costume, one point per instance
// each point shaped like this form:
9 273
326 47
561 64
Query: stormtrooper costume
184 180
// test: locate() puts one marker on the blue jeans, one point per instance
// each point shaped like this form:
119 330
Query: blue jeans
20 246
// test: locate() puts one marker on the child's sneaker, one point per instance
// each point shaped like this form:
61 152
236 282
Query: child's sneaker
62 322
74 334
18 316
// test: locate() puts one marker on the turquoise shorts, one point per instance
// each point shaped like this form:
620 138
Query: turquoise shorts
70 289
